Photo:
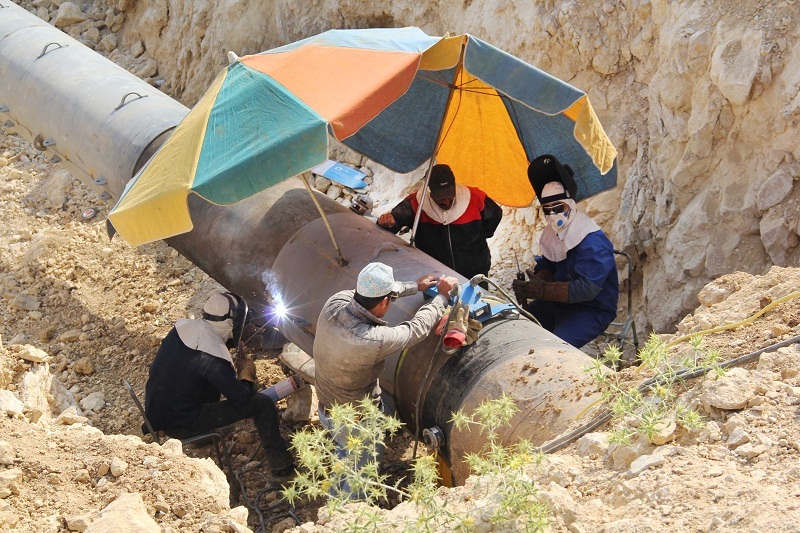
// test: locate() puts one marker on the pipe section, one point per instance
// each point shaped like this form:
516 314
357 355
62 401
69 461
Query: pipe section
71 102
106 122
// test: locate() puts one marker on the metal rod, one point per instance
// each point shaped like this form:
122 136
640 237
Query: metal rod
342 262
439 138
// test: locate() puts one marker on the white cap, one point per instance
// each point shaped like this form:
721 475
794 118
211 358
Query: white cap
377 279
218 305
552 188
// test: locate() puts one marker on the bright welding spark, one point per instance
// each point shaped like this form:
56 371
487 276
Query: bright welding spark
279 310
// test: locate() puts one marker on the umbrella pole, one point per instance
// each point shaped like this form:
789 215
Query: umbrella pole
417 215
341 260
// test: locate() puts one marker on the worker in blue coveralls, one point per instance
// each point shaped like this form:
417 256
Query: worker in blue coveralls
574 287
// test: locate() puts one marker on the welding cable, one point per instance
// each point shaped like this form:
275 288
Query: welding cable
737 324
255 506
243 493
522 311
564 440
439 344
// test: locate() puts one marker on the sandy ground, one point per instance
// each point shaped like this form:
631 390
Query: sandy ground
99 308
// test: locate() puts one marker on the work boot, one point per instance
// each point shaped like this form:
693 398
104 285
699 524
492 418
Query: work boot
285 471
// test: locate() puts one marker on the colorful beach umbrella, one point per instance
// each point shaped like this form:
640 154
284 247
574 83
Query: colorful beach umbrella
397 96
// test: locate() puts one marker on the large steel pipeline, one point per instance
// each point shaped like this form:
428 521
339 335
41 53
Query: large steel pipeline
274 244
98 119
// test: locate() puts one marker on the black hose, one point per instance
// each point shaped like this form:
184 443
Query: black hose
521 309
417 421
564 440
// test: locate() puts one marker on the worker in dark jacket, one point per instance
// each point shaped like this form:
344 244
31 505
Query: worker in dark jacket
455 222
193 367
574 286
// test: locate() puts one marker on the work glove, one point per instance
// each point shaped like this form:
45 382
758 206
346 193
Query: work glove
461 330
473 331
528 290
245 369
440 326
456 335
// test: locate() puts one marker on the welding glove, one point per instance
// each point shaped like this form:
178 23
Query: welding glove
536 289
245 369
528 290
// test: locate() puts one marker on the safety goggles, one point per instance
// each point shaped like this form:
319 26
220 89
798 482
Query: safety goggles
555 209
393 296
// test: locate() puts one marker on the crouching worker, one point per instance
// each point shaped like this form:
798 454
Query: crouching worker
353 341
574 286
193 367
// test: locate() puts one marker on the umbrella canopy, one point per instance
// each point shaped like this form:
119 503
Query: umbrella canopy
397 96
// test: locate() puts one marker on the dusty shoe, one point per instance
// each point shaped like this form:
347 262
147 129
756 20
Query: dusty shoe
285 472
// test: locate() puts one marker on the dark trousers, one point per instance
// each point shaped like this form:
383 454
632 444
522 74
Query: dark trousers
573 323
223 413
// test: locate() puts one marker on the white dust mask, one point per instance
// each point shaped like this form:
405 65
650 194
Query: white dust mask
560 220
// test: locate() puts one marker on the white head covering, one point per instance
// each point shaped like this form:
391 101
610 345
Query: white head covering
377 279
559 221
459 207
564 231
219 306
209 336
203 336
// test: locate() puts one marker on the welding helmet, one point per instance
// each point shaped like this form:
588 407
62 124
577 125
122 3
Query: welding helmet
227 313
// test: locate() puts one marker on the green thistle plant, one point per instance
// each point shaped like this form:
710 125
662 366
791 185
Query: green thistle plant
659 405
511 491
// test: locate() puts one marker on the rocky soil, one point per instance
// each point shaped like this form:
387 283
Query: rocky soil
81 313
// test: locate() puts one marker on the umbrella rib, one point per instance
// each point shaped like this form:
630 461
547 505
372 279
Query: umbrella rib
438 79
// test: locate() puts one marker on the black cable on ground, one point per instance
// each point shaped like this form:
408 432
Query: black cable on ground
564 440
255 506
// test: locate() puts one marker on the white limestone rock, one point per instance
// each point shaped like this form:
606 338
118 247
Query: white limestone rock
643 463
25 302
7 454
94 402
10 481
10 405
126 513
593 444
118 467
78 522
33 354
70 416
735 63
68 14
775 189
730 392
173 447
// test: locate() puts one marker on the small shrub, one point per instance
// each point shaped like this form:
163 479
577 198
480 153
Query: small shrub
504 482
658 404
